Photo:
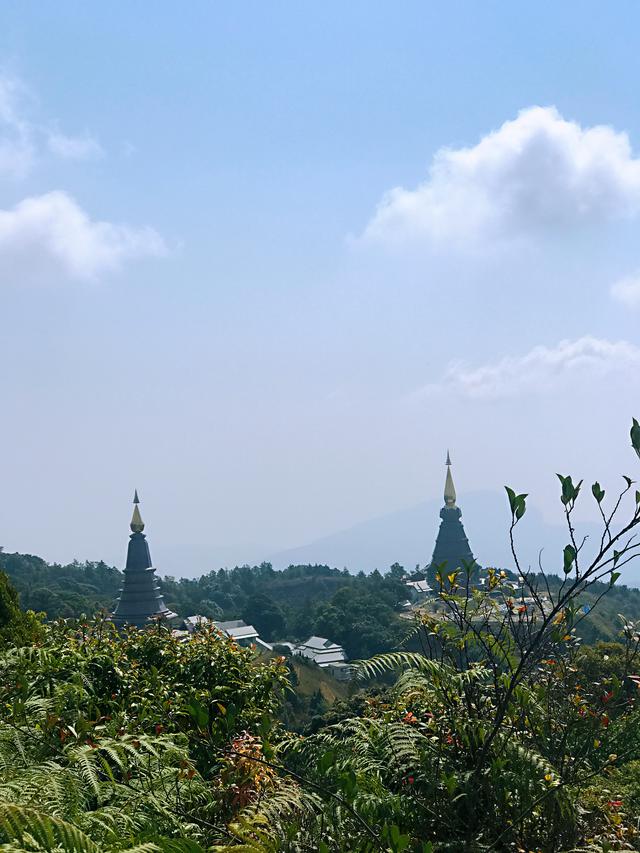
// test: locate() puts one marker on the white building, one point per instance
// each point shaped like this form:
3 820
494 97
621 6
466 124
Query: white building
419 588
236 629
193 622
321 651
243 634
340 671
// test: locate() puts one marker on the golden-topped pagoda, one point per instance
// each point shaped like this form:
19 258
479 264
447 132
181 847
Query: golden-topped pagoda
140 598
452 550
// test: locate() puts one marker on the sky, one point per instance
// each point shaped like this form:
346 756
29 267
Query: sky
266 262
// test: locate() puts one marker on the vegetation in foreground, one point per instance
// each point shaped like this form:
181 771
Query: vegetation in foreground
503 734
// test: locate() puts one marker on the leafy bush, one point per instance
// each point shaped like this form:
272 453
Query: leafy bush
128 740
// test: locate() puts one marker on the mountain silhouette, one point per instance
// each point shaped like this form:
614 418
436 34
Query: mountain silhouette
408 537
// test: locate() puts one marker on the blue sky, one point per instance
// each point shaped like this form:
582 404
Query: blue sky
207 291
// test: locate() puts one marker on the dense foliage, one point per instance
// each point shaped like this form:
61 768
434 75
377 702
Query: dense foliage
109 742
357 611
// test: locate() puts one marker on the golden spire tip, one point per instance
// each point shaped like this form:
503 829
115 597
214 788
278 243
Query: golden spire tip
449 488
137 524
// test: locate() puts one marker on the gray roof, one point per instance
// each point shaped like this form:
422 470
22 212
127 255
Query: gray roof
237 629
419 586
319 643
331 657
197 620
321 650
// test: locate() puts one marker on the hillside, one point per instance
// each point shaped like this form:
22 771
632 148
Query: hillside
357 611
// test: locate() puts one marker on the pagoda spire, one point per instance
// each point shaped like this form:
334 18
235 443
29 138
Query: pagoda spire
452 550
449 488
137 524
140 599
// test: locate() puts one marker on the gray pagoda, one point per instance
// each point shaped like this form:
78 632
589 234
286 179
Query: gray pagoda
140 599
452 550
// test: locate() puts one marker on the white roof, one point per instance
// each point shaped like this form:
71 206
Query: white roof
197 620
329 658
237 629
320 643
419 586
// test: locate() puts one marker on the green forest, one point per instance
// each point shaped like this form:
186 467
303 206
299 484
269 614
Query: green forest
359 612
500 717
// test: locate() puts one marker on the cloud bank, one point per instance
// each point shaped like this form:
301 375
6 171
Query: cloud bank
52 232
627 291
84 147
537 173
17 146
23 141
540 370
50 236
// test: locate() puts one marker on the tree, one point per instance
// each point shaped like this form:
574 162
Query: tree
16 627
263 613
9 602
397 571
210 609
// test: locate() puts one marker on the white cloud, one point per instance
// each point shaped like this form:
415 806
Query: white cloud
627 290
51 235
83 147
537 173
23 140
17 146
541 369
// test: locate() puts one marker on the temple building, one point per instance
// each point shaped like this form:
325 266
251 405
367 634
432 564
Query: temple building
452 550
140 598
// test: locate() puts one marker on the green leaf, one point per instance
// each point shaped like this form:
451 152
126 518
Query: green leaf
635 436
326 761
348 783
199 714
597 492
569 558
614 578
567 489
516 503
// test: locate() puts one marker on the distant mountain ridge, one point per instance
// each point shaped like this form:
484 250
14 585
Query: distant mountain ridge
406 536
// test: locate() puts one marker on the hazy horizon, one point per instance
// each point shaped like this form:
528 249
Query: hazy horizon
266 263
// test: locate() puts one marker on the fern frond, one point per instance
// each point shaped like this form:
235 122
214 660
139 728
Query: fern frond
18 823
390 661
254 836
